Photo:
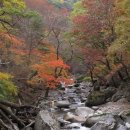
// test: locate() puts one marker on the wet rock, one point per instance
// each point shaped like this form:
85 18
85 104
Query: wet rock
118 95
77 100
84 111
122 100
46 121
103 121
95 108
65 109
93 120
69 117
63 104
95 98
73 118
106 123
75 106
121 127
83 99
63 122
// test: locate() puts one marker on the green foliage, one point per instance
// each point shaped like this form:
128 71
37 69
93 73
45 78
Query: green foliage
128 114
84 78
95 98
7 89
78 9
122 27
63 3
12 7
43 48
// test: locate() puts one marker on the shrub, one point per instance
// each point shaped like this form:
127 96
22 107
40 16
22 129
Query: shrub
7 89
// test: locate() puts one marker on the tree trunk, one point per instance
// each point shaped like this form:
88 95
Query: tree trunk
91 75
126 70
120 75
109 68
114 83
47 92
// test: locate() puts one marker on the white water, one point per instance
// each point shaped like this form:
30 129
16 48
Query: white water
81 128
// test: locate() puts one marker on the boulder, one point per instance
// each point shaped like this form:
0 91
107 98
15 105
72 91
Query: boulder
106 123
73 118
84 111
95 108
103 119
121 127
118 95
46 121
123 101
95 98
63 122
109 122
63 104
93 120
69 116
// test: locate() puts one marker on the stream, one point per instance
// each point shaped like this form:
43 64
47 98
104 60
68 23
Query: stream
69 107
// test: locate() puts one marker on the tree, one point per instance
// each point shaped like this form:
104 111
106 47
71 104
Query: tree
51 71
96 29
7 89
119 50
10 9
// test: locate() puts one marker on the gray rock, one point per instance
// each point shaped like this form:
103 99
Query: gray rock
28 128
121 127
46 121
123 100
103 120
95 108
93 120
107 123
63 104
84 111
118 95
69 117
63 122
73 118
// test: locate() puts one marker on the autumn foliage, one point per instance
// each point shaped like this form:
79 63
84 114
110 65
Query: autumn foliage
37 40
50 70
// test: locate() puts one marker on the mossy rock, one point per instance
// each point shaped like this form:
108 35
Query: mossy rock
95 98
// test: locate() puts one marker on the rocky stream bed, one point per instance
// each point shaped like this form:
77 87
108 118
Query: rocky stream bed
67 110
